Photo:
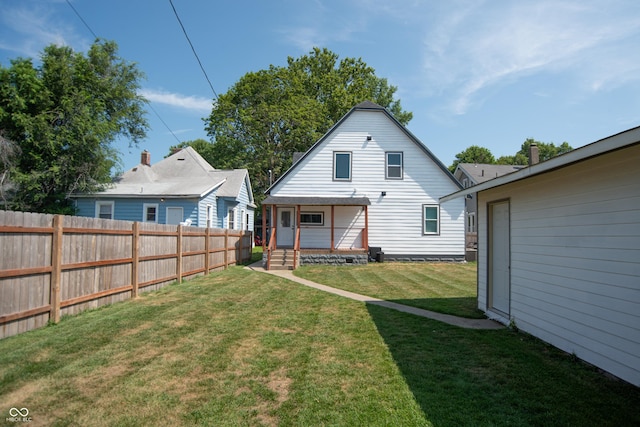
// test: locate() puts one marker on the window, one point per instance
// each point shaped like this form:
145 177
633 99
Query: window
231 221
209 216
394 165
465 182
311 218
104 210
342 166
471 222
431 219
150 211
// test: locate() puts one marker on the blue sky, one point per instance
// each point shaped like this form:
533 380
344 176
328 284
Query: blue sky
473 72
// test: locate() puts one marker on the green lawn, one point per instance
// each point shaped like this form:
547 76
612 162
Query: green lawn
443 287
245 348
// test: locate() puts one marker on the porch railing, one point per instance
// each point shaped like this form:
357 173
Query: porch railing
271 247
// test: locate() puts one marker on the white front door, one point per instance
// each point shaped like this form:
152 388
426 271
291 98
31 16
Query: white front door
285 227
499 259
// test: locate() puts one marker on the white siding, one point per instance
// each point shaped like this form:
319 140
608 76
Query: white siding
575 259
395 220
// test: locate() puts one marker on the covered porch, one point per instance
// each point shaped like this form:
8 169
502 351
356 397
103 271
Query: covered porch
314 230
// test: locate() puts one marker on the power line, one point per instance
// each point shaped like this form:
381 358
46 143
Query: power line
83 21
193 49
165 125
150 106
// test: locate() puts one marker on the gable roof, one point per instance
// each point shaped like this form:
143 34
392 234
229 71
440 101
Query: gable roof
184 174
609 144
367 106
481 172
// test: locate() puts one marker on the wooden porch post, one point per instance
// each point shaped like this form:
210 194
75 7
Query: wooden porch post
264 227
274 224
332 227
365 234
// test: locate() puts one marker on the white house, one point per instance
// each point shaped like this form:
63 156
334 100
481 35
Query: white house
368 182
559 251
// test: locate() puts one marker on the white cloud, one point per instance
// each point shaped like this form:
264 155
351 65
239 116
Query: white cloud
34 26
194 103
472 46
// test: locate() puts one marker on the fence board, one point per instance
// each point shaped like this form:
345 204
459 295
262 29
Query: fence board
93 262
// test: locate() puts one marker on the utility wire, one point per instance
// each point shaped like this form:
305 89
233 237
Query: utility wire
165 125
193 49
83 21
150 106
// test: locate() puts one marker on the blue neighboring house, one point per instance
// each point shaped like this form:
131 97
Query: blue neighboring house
182 188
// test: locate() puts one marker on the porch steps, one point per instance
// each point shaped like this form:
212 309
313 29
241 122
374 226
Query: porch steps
282 259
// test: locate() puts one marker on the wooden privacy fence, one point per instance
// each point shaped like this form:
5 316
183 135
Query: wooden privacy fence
53 265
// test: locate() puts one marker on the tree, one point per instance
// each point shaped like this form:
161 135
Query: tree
202 146
9 152
64 115
546 151
473 154
270 114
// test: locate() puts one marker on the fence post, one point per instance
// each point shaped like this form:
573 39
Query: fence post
239 258
135 259
226 248
179 254
56 268
207 235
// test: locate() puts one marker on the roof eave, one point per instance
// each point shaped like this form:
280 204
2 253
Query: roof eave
615 142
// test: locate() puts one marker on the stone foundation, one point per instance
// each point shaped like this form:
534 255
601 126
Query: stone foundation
333 259
424 258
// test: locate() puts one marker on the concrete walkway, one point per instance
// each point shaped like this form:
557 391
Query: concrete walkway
446 318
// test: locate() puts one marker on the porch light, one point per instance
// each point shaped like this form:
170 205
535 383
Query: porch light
384 193
369 137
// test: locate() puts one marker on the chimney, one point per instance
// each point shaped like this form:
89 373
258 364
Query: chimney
534 155
145 158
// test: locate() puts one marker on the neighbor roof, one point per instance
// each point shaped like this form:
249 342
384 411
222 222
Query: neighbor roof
184 174
481 172
615 142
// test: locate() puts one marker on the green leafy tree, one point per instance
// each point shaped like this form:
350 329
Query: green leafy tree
473 154
9 152
270 114
64 116
546 151
202 146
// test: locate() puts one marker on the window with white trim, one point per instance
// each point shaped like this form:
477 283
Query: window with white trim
430 219
311 218
342 165
209 216
394 165
471 222
231 219
104 210
150 212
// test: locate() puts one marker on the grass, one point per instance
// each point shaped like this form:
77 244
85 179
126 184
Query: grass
240 348
443 287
